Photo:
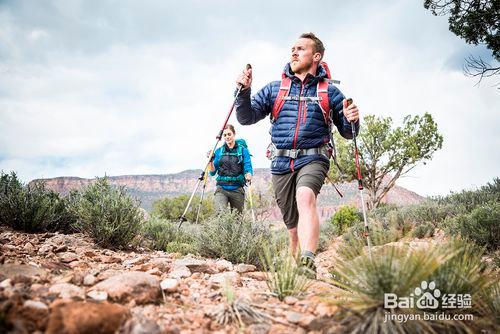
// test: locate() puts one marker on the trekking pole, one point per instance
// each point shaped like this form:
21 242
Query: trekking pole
205 175
219 136
360 184
251 200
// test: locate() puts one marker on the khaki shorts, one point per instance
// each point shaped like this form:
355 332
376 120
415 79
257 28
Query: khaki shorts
285 187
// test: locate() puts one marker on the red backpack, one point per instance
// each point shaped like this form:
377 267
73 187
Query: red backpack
321 91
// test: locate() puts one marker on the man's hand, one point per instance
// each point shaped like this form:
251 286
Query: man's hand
248 177
350 111
245 78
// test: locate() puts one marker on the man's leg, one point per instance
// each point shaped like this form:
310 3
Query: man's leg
308 227
284 191
294 240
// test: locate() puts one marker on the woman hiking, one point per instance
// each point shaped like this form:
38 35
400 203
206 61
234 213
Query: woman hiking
233 166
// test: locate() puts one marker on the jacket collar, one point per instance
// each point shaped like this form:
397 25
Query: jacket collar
320 74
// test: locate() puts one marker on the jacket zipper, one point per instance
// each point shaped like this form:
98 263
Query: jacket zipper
297 125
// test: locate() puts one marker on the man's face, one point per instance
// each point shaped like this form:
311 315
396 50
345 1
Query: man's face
303 55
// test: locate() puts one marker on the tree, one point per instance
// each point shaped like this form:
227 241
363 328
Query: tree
477 22
386 153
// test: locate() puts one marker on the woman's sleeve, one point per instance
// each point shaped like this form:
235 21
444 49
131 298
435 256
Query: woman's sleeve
216 162
247 162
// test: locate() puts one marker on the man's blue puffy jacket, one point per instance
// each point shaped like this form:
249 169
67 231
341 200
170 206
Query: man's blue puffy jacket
294 128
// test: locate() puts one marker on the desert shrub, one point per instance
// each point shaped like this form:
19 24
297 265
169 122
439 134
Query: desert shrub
482 226
172 208
468 200
423 230
327 233
166 236
32 208
396 219
233 237
344 218
354 242
107 214
283 276
454 268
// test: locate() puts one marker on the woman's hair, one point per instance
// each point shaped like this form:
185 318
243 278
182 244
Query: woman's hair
230 127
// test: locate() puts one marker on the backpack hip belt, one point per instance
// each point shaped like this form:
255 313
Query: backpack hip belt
295 153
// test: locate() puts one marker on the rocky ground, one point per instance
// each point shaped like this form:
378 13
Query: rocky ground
66 284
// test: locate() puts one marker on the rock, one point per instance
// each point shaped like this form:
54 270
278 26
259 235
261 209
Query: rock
323 310
89 280
306 321
110 259
289 300
256 275
7 283
224 265
67 291
45 249
12 270
161 263
138 286
293 317
169 284
67 257
98 296
232 277
132 262
35 305
108 273
196 265
259 329
28 247
81 317
141 326
180 272
60 249
244 268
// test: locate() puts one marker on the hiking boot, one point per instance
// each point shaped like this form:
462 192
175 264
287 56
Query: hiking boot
307 267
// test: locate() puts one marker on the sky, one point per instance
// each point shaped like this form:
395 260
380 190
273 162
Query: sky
94 88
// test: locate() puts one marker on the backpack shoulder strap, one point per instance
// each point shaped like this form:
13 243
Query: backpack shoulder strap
324 100
286 83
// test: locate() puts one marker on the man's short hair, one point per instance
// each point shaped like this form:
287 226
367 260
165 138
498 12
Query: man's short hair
318 44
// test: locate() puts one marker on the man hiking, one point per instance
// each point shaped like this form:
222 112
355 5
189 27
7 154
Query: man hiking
301 107
233 166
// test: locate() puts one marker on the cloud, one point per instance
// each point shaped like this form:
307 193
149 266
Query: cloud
93 87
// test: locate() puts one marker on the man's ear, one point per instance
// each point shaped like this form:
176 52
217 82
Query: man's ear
317 56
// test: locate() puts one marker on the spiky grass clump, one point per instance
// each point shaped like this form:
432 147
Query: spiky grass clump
455 268
283 274
423 230
234 310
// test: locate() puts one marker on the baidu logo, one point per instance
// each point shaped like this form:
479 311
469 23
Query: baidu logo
427 296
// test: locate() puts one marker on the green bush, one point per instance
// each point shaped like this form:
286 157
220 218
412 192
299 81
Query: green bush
423 230
173 208
166 236
107 214
468 200
482 226
32 208
344 218
455 268
327 233
233 237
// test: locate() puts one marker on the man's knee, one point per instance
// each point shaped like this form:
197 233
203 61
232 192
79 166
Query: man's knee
306 199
